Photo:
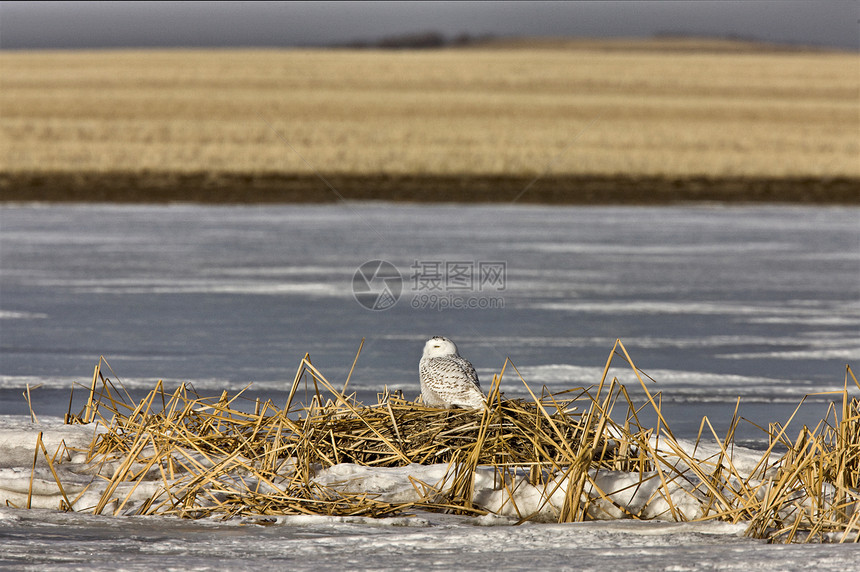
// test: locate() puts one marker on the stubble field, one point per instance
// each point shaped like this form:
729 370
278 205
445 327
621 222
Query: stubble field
453 123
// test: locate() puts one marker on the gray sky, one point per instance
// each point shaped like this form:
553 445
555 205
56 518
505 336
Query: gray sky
204 24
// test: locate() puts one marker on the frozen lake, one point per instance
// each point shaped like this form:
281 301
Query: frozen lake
712 302
35 539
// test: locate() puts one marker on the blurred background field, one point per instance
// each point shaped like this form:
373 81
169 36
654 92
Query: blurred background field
476 116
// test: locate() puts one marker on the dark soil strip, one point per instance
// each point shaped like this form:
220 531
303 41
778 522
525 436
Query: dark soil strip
161 187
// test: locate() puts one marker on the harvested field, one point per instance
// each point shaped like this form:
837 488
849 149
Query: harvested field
83 122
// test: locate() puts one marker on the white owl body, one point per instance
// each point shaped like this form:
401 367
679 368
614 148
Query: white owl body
448 380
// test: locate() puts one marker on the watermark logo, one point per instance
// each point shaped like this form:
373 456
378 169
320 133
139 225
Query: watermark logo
436 284
377 285
441 302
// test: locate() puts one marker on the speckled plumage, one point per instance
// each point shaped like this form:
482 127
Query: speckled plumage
448 380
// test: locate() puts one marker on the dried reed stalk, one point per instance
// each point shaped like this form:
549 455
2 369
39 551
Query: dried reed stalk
212 459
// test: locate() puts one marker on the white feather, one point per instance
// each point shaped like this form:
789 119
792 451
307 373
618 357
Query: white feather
448 380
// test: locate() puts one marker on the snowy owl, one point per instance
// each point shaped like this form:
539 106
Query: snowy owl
446 378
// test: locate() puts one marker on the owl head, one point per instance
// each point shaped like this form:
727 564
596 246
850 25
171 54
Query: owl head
439 346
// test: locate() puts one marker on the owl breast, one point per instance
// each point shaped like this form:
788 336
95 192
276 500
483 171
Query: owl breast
448 381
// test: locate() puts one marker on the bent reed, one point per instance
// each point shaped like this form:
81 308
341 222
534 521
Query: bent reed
222 457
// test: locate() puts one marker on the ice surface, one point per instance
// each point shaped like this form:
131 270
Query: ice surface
36 539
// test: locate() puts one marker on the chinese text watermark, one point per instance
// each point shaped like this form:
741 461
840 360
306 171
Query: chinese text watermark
435 284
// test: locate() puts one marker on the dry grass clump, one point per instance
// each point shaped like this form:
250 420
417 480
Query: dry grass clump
816 486
494 111
222 456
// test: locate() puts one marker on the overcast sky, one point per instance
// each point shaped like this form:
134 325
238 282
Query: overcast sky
188 24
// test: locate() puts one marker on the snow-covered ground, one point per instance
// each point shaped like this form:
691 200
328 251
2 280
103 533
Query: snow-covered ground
39 538
43 535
